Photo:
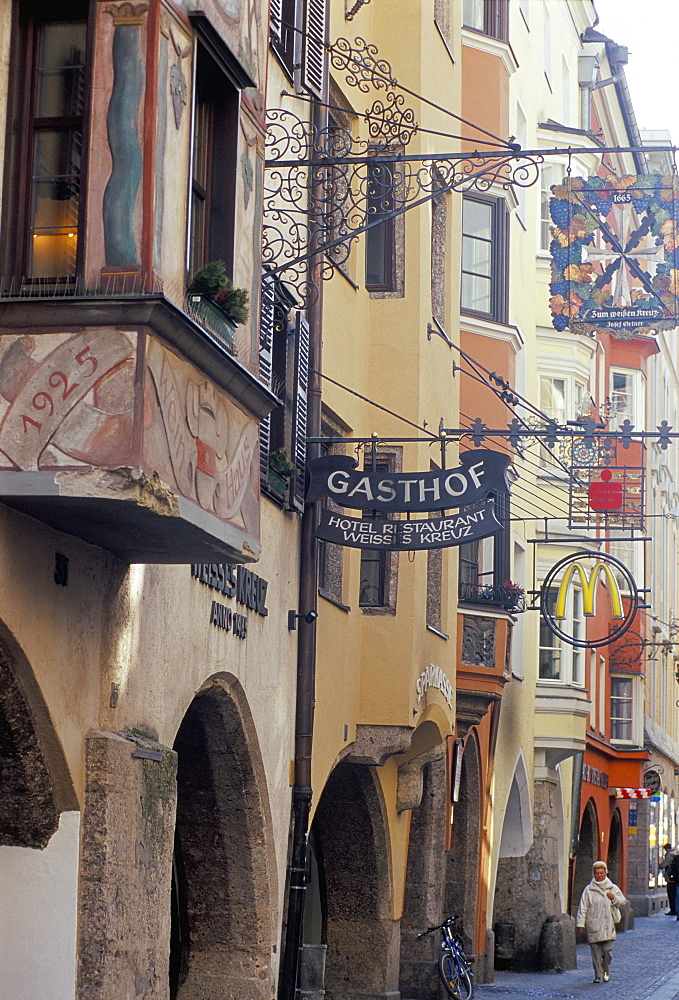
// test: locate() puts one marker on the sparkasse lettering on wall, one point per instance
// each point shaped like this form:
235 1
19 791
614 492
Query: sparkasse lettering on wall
434 677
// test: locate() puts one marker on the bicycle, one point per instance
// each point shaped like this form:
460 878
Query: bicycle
453 965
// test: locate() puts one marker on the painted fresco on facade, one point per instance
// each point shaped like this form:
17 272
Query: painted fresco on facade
115 174
615 254
173 124
66 399
69 399
199 441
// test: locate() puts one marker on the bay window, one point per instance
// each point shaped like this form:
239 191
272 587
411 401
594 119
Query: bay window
488 16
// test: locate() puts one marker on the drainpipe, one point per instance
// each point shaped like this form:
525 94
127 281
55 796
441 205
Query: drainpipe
306 648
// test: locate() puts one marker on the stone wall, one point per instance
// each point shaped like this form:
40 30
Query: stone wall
532 932
125 868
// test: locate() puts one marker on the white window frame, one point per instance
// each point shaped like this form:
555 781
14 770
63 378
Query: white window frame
524 9
574 391
570 657
636 727
593 670
550 173
629 553
636 411
547 44
566 97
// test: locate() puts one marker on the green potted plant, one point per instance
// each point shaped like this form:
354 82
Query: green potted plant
281 468
213 297
514 597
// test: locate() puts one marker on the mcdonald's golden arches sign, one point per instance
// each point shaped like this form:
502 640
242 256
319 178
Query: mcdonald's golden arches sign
596 577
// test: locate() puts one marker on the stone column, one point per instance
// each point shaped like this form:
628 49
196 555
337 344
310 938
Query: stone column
425 886
126 868
532 932
638 892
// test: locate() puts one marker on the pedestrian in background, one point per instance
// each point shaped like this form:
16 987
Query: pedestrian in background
598 914
665 866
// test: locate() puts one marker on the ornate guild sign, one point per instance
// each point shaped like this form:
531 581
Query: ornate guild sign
615 254
602 581
652 781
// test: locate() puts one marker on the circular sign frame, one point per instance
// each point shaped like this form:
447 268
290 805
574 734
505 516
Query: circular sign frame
617 631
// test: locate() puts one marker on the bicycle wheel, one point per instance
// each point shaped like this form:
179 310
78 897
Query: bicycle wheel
458 983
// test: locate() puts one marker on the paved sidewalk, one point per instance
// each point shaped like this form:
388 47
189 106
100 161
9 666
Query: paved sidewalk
645 967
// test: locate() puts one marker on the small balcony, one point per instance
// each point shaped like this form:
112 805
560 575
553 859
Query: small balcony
507 598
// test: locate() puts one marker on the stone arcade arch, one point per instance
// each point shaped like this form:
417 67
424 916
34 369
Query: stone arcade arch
352 848
39 827
36 784
462 863
224 868
588 847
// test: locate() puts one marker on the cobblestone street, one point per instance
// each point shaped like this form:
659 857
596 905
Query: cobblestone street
645 967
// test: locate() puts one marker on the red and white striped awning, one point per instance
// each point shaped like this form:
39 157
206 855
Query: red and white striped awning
632 793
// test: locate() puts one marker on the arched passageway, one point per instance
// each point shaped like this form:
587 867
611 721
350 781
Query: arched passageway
588 847
222 920
39 840
614 860
352 856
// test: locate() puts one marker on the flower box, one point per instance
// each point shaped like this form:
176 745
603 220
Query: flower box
213 317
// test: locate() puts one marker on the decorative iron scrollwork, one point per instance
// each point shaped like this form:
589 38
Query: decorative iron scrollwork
359 60
325 187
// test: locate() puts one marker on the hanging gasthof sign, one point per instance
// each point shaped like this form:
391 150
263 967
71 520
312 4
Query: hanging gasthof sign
615 254
382 493
479 473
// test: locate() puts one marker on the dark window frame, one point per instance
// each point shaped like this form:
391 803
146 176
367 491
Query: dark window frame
216 128
331 555
285 20
468 562
499 251
21 126
495 20
387 460
380 241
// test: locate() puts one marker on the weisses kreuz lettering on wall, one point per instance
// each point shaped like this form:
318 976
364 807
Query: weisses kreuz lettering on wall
235 582
479 474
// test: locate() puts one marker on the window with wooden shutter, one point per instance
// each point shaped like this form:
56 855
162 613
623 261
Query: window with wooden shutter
276 372
284 31
313 47
299 410
275 20
266 328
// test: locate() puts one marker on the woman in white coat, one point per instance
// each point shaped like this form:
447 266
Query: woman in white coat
595 915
